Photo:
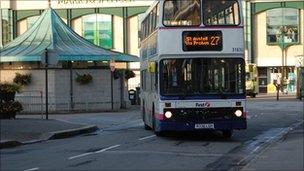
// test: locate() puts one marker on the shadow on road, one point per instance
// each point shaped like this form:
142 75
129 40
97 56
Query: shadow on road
205 135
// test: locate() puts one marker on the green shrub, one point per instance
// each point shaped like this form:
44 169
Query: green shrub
118 73
9 88
21 79
129 74
84 79
10 109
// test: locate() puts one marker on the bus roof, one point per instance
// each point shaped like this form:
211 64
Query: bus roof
149 10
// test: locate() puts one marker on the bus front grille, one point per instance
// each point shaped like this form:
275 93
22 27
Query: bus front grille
196 114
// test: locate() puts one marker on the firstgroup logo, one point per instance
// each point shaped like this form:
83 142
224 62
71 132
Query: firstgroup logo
202 104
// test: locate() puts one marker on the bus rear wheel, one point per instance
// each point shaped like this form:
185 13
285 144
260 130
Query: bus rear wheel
227 133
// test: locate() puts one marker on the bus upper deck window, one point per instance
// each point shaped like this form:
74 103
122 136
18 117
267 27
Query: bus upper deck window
221 12
182 13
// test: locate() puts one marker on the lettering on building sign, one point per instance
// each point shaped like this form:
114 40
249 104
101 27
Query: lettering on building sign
87 1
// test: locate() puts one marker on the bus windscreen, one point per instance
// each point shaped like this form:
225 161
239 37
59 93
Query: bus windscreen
202 76
224 12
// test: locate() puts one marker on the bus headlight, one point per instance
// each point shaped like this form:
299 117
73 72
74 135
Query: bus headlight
238 113
168 114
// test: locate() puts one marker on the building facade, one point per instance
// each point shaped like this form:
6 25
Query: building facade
275 42
274 31
110 24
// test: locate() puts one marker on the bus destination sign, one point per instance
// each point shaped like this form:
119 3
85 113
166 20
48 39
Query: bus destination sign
202 41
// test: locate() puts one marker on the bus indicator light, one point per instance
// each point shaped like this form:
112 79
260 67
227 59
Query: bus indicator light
202 41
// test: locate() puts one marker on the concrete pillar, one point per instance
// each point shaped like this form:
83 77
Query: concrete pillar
1 43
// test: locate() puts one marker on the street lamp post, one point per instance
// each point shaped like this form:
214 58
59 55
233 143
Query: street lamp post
283 47
71 86
112 69
46 86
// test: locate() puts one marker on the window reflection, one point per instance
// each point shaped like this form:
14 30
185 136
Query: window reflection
6 22
97 28
224 12
182 13
282 25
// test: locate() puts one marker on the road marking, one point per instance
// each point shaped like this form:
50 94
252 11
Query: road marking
144 138
96 152
81 155
35 168
109 148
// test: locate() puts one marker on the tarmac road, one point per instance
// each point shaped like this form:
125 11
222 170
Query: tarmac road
123 144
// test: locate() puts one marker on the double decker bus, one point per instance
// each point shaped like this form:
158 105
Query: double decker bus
192 66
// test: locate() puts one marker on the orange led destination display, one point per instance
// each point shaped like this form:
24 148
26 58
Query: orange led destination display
202 41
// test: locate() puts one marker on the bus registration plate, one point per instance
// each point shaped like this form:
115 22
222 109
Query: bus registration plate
204 126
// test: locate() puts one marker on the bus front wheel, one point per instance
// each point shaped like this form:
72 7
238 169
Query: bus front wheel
147 127
157 133
227 133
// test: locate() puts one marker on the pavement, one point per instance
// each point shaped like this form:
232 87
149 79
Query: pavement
273 96
21 131
286 152
283 154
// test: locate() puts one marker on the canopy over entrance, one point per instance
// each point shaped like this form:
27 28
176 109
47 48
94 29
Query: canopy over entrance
61 42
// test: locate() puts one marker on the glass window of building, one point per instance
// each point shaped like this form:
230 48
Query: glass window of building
182 13
97 28
282 25
6 21
224 12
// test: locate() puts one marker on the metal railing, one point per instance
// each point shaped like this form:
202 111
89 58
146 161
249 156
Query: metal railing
33 102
